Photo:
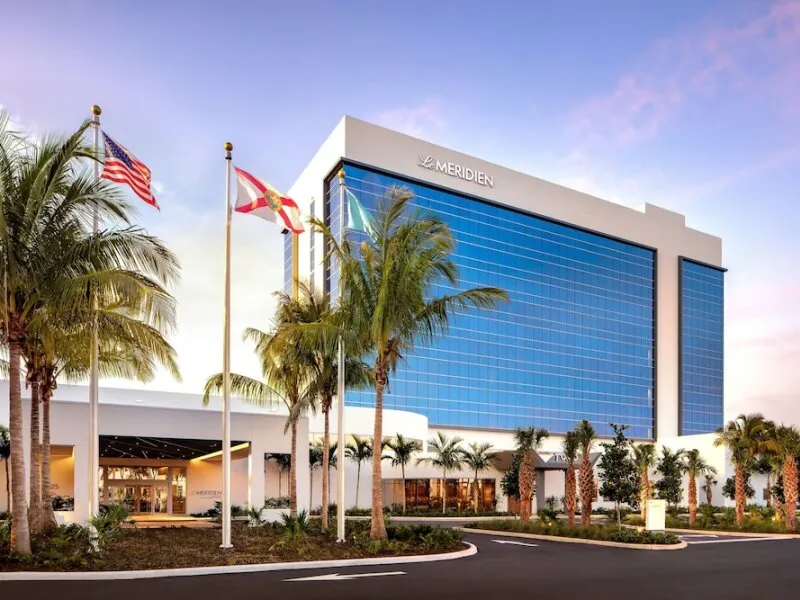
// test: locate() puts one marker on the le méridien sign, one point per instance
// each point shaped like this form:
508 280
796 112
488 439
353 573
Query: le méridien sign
455 170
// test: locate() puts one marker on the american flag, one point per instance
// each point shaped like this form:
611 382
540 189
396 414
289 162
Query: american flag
122 167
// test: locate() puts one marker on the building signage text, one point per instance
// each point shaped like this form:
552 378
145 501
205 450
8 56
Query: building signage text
211 493
456 170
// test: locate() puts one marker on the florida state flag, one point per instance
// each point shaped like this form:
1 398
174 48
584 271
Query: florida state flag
257 197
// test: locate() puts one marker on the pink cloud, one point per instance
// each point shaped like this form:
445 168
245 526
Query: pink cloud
761 57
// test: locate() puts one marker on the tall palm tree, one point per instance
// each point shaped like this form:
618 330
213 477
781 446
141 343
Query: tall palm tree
447 455
528 441
586 439
311 307
286 370
388 288
359 451
644 457
744 438
478 458
5 452
696 467
403 450
708 488
570 446
787 438
50 259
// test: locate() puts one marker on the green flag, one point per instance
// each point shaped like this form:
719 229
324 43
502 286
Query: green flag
358 218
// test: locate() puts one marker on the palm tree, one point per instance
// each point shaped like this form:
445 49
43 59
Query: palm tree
744 438
388 288
478 458
708 488
402 451
286 369
447 455
570 446
311 307
586 438
644 457
528 440
51 260
283 462
787 438
5 452
359 451
314 462
695 467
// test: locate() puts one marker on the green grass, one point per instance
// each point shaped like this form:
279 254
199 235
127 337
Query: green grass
606 533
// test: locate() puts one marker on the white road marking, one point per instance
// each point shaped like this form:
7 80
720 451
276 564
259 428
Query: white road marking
697 535
340 577
748 539
514 543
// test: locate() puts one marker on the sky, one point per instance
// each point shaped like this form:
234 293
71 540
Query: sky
694 106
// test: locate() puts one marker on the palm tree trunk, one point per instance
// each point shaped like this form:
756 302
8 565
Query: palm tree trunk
403 475
377 525
587 491
709 493
358 482
644 485
570 494
326 472
47 516
20 534
769 489
311 488
475 492
741 497
525 487
692 499
280 482
35 501
790 492
293 473
444 491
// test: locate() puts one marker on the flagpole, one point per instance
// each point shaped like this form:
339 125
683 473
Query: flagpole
340 434
94 387
226 364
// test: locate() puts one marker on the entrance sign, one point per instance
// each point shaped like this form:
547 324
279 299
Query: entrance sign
656 515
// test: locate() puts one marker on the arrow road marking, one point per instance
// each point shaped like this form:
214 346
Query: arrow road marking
514 543
339 577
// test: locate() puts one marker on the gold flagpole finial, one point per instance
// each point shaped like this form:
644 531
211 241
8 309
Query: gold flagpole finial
228 148
341 173
96 111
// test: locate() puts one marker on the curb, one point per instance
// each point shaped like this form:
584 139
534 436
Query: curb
438 519
565 540
745 534
232 569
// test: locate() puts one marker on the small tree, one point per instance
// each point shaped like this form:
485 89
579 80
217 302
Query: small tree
359 451
708 488
729 488
671 467
402 449
618 471
447 455
509 484
478 458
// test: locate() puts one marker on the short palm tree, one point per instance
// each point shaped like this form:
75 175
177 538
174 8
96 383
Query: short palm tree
787 438
586 439
696 467
286 370
309 308
402 450
52 262
478 457
359 451
570 446
644 457
528 441
5 452
389 285
708 488
447 455
744 438
283 462
314 463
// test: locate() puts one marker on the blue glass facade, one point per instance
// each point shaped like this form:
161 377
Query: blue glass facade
701 347
575 340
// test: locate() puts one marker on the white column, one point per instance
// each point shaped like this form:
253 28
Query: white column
81 461
169 490
667 344
256 488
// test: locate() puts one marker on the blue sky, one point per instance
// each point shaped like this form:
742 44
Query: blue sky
694 106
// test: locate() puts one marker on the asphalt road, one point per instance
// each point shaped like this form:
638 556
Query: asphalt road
730 570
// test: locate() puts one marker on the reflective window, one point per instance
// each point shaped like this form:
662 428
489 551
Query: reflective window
702 339
575 340
427 493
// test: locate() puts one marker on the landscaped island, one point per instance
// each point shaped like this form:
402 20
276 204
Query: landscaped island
605 533
67 548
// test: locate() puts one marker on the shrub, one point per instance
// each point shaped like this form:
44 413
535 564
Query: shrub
280 502
547 514
294 526
255 516
594 532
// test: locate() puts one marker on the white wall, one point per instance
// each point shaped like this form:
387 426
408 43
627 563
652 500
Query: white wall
6 468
